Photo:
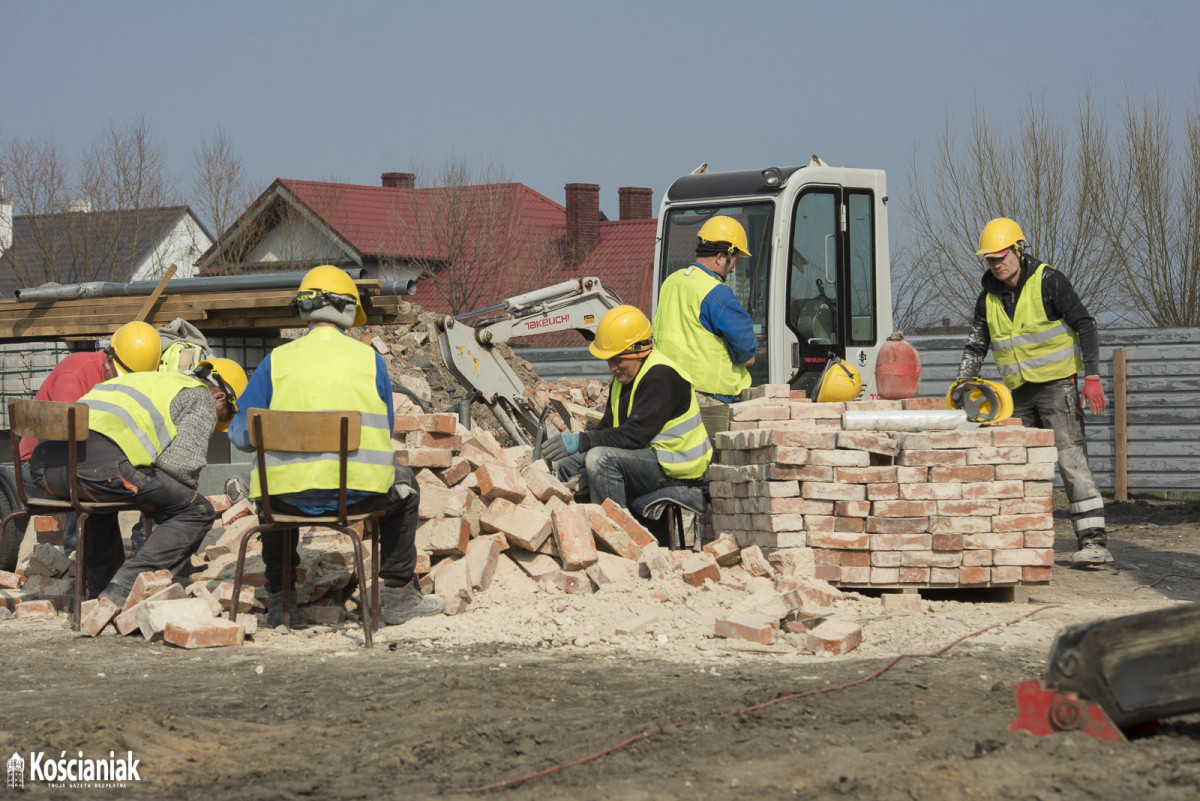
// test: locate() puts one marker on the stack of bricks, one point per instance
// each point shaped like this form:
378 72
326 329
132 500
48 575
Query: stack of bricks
959 508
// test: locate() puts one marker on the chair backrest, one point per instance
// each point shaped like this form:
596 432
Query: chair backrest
43 419
303 432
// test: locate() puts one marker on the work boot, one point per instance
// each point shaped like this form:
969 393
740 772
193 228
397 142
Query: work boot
275 611
116 593
1093 550
401 604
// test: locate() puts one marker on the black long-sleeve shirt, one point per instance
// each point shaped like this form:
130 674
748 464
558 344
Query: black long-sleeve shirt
662 395
1059 300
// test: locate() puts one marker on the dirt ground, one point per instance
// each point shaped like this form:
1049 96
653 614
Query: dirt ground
447 705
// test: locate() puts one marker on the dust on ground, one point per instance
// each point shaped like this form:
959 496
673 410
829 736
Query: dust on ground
519 685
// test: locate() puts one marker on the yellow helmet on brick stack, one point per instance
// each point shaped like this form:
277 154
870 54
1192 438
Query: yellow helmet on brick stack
840 382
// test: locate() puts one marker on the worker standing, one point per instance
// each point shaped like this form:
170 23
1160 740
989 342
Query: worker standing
328 370
148 441
1041 336
699 321
651 435
134 348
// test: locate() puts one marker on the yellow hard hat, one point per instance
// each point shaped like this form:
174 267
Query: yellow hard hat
229 375
1000 234
619 330
136 348
984 401
727 230
334 281
840 382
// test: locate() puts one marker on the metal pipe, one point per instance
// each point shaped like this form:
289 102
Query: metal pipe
111 289
907 420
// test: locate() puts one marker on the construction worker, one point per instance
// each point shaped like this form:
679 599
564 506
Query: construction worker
699 321
328 370
651 435
134 348
184 346
148 441
1041 336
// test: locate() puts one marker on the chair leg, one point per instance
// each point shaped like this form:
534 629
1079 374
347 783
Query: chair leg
363 587
80 569
241 566
287 576
674 526
375 564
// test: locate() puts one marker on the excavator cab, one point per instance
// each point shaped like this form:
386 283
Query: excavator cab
819 280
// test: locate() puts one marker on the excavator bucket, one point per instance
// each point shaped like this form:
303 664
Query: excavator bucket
1116 674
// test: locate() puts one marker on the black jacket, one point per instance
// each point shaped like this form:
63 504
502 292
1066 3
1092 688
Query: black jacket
662 395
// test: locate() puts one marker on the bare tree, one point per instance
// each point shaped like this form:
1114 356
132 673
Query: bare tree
469 235
1054 184
70 230
221 190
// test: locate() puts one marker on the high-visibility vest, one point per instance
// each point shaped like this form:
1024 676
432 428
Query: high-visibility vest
134 411
173 359
679 334
681 447
1028 346
325 370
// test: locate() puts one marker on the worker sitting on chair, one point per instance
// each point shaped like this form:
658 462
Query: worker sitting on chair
326 370
699 321
651 435
148 441
134 348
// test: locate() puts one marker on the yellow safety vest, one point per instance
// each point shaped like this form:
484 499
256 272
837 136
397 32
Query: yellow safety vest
681 447
679 334
134 411
1029 347
173 356
325 370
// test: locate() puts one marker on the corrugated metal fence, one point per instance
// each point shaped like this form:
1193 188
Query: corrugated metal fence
1162 367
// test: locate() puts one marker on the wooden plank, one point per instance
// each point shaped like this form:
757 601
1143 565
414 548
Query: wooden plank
308 432
1120 441
150 301
48 419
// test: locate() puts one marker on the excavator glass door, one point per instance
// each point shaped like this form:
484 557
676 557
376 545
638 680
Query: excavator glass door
750 279
831 281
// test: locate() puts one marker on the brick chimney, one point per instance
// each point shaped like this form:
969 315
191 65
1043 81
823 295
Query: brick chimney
399 180
6 222
635 202
583 219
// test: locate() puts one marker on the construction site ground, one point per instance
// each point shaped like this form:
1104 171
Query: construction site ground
522 683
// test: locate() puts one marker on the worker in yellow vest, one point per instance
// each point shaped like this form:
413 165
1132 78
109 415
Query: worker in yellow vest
358 380
699 321
651 435
148 441
1041 336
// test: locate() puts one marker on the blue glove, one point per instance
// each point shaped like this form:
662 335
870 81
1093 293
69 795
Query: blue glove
560 446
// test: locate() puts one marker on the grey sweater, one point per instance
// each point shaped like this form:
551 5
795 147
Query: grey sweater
195 419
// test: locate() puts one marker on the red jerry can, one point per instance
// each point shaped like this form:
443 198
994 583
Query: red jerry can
897 369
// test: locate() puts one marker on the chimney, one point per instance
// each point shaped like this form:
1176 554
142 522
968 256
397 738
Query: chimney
635 202
6 224
79 206
583 219
399 180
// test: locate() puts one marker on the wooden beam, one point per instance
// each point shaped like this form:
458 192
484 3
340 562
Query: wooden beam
162 283
1120 432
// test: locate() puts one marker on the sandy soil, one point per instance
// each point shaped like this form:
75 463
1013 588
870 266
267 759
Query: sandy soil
527 681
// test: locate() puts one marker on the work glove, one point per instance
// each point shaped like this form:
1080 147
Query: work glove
1094 394
560 446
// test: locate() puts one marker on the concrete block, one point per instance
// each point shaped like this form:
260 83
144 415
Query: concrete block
47 560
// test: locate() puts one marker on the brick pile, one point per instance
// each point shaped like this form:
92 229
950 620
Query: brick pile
961 508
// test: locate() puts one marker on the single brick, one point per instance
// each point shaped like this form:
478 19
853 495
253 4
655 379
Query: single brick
943 575
424 457
856 559
1008 574
545 486
914 575
522 526
929 458
838 539
240 509
573 536
1038 471
821 491
211 633
835 637
752 628
974 508
865 475
885 558
1027 437
904 508
724 549
608 534
700 567
976 557
95 615
452 583
930 559
932 491
902 526
885 575
427 439
851 508
127 622
628 522
974 575
147 583
482 556
152 616
444 536
973 473
459 469
9 581
1035 575
902 603
36 609
883 492
496 481
224 594
947 542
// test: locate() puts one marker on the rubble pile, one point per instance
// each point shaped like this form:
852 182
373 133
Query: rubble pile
962 508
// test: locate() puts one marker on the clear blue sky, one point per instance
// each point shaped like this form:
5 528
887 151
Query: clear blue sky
618 93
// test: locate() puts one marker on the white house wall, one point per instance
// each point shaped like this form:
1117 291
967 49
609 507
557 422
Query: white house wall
295 239
182 247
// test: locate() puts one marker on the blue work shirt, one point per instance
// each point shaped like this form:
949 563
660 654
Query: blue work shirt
722 315
257 395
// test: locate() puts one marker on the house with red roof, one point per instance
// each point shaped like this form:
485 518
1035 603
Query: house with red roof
465 247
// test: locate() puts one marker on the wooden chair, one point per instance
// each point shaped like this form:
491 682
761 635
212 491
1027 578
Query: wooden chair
64 422
312 432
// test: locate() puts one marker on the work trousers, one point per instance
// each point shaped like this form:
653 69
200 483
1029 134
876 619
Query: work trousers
618 474
182 516
1055 405
397 533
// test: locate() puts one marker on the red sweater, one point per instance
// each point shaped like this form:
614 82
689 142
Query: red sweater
73 378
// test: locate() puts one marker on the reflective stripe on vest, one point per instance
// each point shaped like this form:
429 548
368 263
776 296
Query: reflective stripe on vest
134 411
1028 347
325 370
679 334
681 447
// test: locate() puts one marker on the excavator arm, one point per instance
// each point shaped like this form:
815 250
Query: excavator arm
468 344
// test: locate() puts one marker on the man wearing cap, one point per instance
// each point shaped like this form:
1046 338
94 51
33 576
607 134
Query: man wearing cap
699 321
1041 336
651 435
148 441
328 370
